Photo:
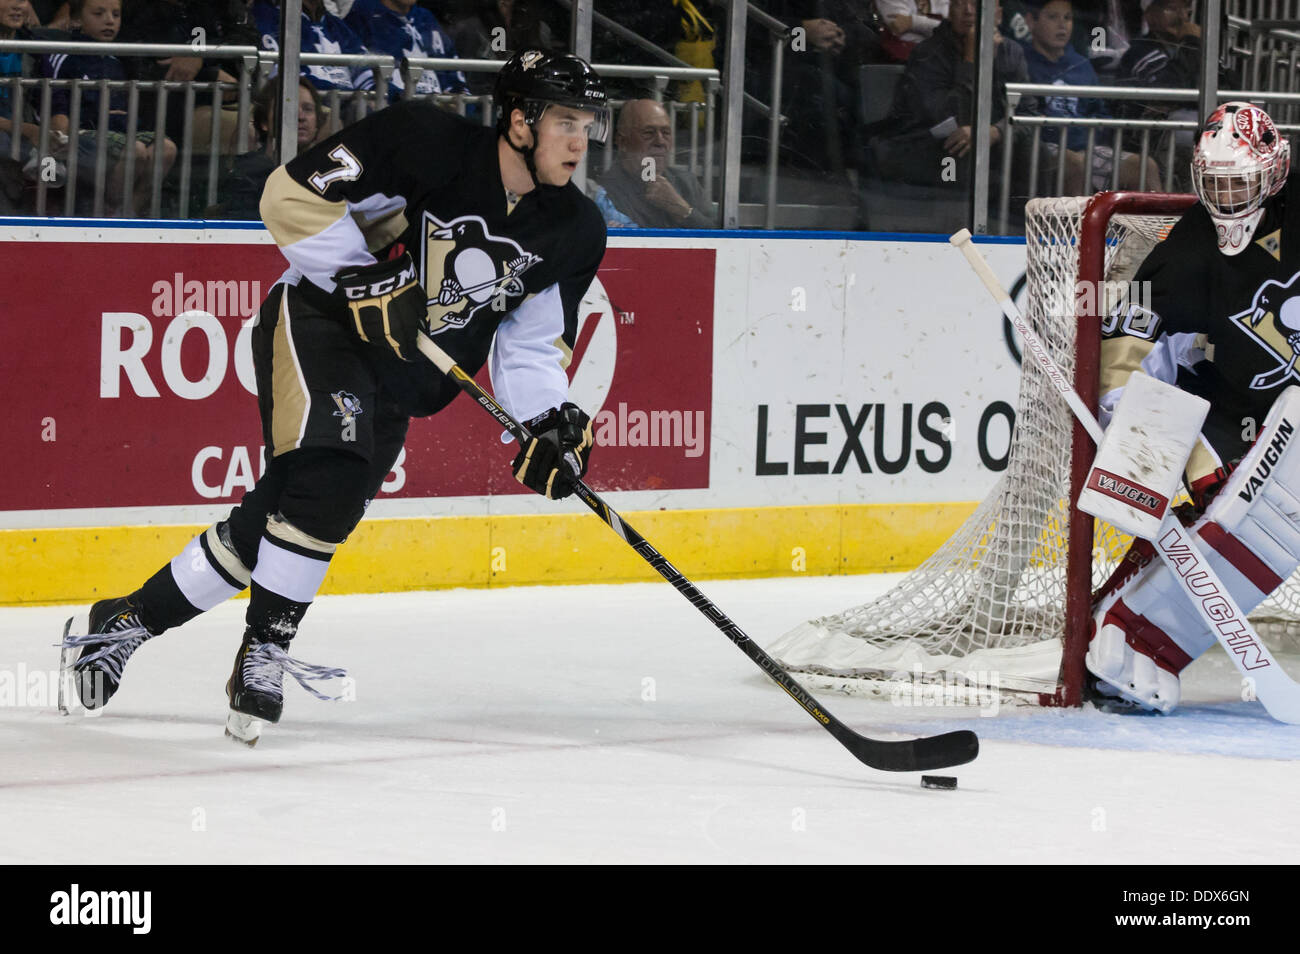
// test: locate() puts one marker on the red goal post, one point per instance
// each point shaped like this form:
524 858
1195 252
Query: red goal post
1096 224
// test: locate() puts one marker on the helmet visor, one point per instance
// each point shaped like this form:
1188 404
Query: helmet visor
600 118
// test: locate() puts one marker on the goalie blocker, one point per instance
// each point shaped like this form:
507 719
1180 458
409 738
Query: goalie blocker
1145 631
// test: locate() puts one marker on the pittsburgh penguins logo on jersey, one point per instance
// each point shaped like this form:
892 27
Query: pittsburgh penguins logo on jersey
471 269
1279 303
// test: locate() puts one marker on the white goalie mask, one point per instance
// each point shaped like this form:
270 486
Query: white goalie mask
1241 160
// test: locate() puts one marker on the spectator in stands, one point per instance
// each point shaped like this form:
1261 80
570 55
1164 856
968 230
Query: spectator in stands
1052 60
399 28
14 15
13 20
322 32
494 28
186 23
240 189
931 117
1168 54
50 13
640 190
820 125
656 21
99 21
908 22
1102 49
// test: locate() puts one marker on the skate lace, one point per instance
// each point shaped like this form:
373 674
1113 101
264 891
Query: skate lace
123 638
265 664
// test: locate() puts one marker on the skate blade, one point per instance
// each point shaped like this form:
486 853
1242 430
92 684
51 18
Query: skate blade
67 693
244 729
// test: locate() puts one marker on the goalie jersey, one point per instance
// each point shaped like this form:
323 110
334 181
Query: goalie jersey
415 178
1226 328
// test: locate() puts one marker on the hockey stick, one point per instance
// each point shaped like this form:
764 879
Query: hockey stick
1268 379
1279 694
912 755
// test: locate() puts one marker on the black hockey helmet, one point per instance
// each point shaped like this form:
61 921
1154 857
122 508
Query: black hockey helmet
531 80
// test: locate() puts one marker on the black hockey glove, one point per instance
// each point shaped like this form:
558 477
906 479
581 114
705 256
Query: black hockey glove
387 304
541 465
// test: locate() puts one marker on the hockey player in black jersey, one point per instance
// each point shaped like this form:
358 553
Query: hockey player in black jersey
1222 322
412 221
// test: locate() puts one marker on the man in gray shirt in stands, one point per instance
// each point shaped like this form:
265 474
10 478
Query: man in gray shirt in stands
639 190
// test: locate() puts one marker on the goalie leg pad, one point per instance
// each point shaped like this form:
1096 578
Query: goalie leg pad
1137 659
1250 536
1257 514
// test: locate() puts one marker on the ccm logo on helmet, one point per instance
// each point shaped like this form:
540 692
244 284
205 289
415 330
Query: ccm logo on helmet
383 286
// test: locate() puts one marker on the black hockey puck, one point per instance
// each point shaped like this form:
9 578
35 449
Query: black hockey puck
938 781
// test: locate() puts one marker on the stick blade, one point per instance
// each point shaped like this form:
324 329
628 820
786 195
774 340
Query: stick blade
918 755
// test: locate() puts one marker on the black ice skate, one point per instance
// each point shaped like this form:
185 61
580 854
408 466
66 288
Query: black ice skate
94 658
256 686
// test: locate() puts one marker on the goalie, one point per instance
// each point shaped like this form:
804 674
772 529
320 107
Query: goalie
1223 322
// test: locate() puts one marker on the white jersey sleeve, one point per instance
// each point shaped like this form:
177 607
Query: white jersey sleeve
527 368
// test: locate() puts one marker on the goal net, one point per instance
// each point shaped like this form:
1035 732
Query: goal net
1005 601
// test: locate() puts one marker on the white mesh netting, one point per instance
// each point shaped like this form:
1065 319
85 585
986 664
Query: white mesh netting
991 600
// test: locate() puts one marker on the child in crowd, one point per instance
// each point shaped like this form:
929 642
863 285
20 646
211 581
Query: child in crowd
99 21
1052 60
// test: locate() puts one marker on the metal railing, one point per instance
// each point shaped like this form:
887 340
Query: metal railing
1138 134
212 143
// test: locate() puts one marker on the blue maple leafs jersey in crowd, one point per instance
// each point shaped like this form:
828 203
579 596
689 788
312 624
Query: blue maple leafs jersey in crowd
417 34
413 177
329 34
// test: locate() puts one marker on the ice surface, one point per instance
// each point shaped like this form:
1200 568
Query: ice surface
602 724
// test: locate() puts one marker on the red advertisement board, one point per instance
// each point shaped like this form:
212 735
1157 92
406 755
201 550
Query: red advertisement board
130 370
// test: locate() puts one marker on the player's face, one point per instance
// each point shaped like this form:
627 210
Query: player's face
561 143
101 19
1232 193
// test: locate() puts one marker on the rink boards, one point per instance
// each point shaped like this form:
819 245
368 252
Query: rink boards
765 404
